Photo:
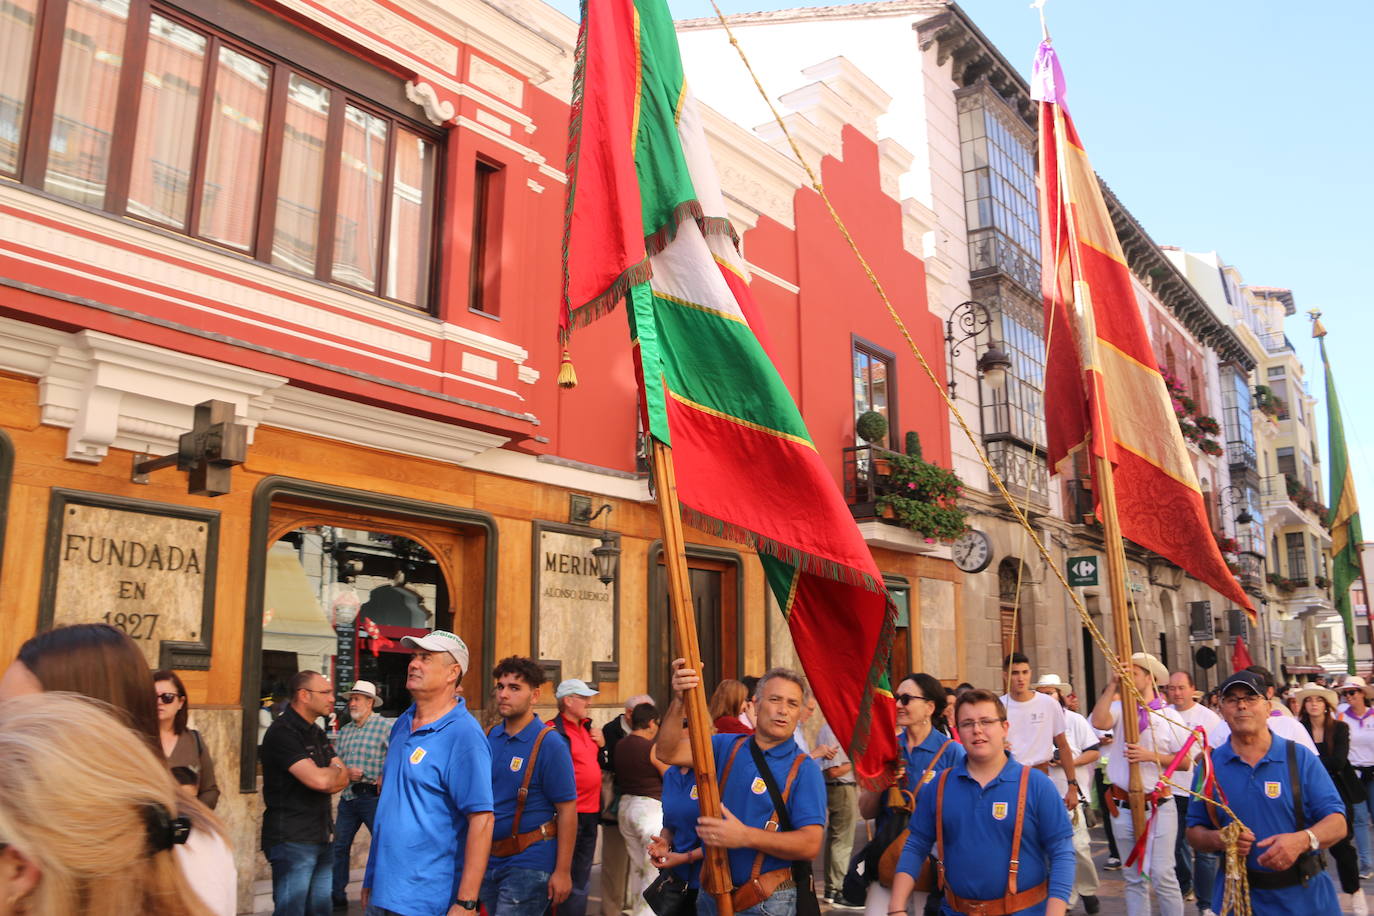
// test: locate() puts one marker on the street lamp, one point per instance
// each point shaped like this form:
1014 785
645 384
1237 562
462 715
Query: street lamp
966 322
1232 495
607 553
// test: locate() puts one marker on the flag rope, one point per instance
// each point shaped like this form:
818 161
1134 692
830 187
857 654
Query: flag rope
1118 666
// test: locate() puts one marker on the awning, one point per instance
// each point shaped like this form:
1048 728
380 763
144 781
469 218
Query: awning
293 620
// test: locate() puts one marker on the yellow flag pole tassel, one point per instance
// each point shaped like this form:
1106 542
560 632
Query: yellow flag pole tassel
1235 897
567 375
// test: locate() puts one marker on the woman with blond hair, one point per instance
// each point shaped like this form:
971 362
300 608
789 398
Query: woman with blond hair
101 662
82 833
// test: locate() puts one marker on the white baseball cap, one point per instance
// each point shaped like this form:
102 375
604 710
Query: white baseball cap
440 641
573 687
364 689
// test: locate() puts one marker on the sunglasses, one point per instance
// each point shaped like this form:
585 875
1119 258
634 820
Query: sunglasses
167 699
905 698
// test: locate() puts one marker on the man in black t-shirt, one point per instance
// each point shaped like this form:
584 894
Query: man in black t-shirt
299 772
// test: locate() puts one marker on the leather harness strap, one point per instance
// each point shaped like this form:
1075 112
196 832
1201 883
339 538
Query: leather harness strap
517 842
1015 900
779 880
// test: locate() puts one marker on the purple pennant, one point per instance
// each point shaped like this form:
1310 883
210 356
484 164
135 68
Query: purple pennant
1047 79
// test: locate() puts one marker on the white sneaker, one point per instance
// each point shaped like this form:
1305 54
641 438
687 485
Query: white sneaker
1358 905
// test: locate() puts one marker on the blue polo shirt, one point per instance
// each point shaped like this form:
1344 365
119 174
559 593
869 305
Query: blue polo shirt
1262 799
434 778
551 783
979 821
919 757
746 795
680 812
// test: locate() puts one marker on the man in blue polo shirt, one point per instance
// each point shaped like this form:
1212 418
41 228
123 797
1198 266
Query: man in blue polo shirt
745 797
1253 772
531 860
434 814
974 810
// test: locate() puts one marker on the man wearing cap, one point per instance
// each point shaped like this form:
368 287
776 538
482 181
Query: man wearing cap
1281 721
362 748
1288 822
434 818
1162 736
1083 742
536 800
1196 870
1035 727
585 741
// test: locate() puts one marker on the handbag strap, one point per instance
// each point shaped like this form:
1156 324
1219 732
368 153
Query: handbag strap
930 768
781 820
524 791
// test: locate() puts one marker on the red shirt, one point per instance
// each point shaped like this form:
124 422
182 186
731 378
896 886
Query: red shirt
586 767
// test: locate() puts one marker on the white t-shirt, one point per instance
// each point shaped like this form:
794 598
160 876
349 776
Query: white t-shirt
1163 734
1281 725
1081 737
1197 716
1031 727
208 864
1361 737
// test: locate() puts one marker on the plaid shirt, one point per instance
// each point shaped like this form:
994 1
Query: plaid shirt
364 746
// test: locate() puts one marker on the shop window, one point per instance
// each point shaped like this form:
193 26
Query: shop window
242 148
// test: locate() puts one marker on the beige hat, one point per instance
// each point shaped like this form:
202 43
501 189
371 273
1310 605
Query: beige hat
1052 680
1147 662
1356 682
364 689
1316 690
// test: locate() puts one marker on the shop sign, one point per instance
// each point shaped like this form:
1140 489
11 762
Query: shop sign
147 568
575 615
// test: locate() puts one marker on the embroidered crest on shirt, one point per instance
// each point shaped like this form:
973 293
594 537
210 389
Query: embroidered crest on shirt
417 755
1272 789
758 787
999 811
516 763
693 794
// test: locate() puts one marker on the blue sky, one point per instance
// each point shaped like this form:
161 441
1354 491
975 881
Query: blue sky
1241 126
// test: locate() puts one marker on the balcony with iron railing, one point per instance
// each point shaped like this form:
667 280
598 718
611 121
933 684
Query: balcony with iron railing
1287 502
865 478
1276 342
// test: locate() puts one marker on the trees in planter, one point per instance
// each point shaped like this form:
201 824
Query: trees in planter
924 498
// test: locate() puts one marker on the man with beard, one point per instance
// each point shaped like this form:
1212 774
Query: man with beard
362 748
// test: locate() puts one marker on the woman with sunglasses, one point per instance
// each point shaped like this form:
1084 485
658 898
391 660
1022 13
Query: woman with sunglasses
1332 737
1360 718
185 750
925 751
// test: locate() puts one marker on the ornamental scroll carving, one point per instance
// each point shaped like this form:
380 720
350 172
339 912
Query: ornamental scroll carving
438 111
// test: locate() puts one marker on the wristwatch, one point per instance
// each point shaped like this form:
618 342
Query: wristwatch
1312 844
466 904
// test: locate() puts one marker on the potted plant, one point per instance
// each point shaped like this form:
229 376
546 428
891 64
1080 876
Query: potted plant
924 497
871 427
913 443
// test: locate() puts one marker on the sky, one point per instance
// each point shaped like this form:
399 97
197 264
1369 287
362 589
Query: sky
1240 126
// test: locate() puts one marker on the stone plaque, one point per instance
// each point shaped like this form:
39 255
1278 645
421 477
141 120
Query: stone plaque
146 568
575 619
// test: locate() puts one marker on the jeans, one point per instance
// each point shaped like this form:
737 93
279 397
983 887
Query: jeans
1183 859
520 892
353 813
641 819
301 875
782 903
1205 865
584 850
1363 815
1161 877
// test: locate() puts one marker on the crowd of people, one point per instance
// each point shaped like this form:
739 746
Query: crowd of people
988 808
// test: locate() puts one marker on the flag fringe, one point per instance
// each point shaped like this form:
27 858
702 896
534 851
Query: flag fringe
863 722
786 553
606 301
579 87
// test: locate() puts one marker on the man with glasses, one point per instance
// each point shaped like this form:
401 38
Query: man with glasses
1196 870
1161 737
1035 727
299 772
983 814
1254 774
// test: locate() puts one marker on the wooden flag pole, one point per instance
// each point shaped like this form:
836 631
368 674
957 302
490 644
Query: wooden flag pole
1121 627
715 872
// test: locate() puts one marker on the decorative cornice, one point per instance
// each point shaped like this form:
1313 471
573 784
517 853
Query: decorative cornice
974 57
